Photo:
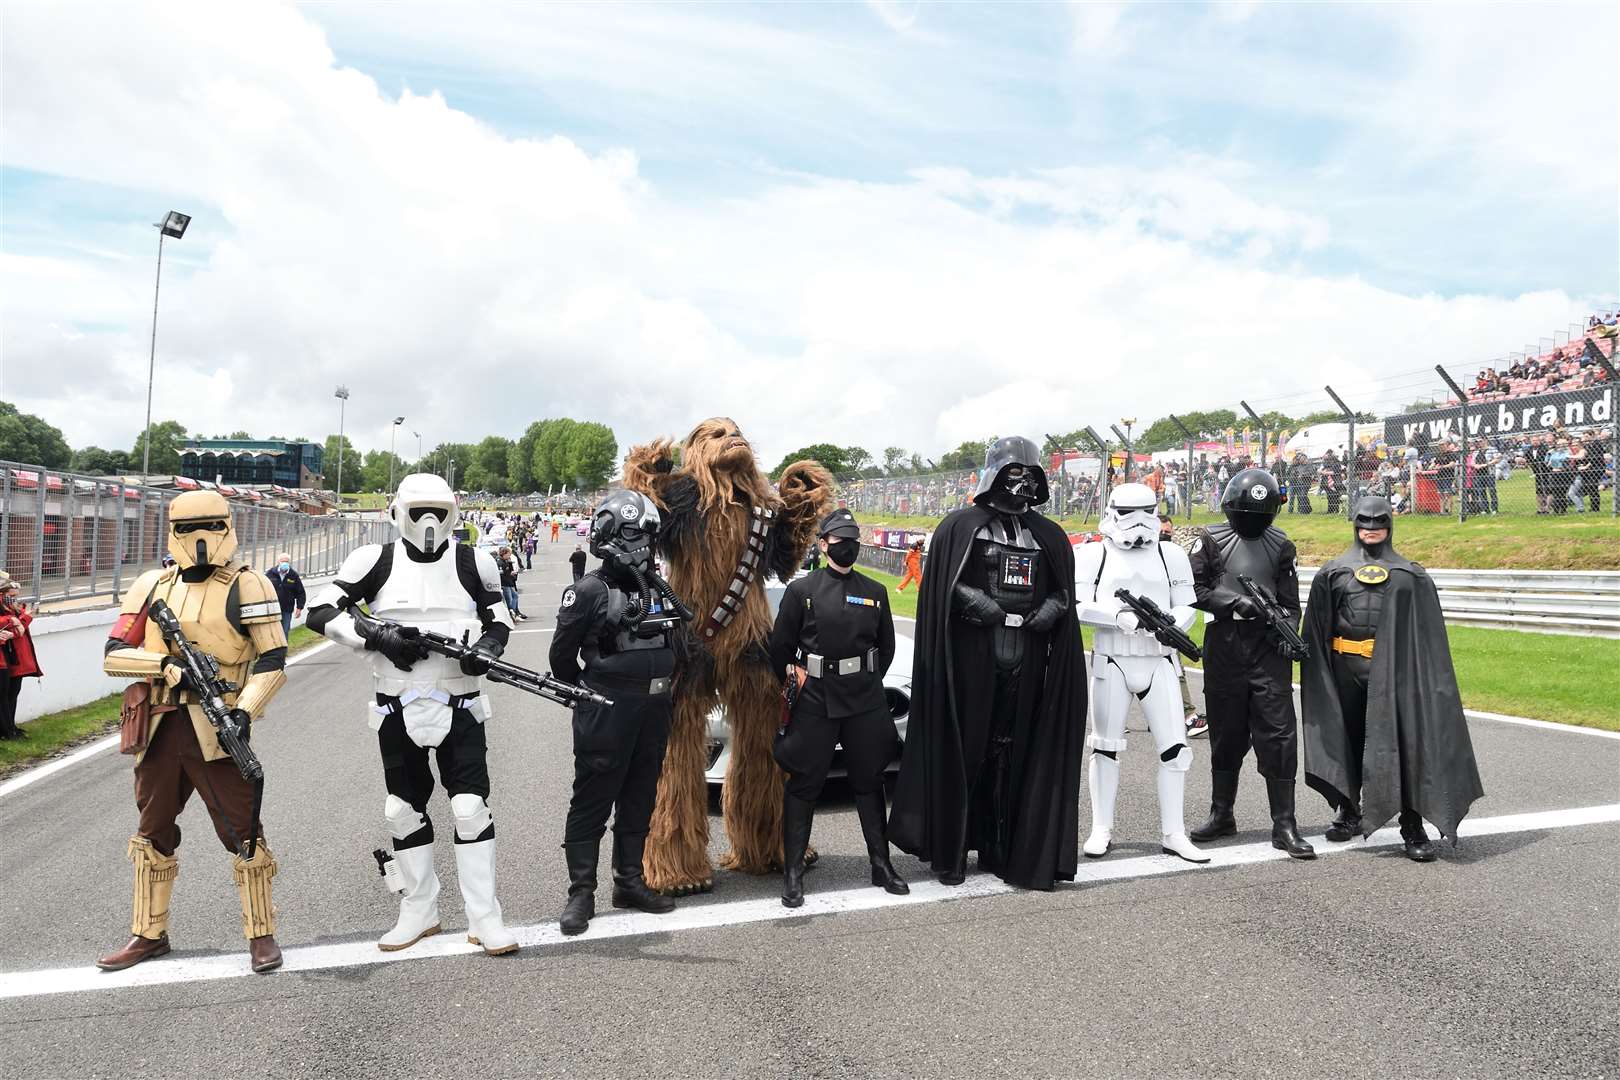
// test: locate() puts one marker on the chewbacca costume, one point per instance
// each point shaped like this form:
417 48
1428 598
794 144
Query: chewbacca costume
725 529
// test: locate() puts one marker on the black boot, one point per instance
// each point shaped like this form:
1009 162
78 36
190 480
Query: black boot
581 906
629 888
1346 825
1419 848
797 817
873 813
1221 822
1284 833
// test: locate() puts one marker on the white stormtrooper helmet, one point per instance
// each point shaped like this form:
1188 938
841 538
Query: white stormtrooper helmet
1132 517
424 511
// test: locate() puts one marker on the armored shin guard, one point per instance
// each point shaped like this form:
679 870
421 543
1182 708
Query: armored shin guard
154 885
253 882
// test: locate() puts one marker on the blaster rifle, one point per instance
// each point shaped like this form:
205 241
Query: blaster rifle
1158 622
1293 646
544 685
203 671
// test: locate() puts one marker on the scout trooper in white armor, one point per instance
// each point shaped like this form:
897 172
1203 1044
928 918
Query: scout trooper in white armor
1127 660
426 702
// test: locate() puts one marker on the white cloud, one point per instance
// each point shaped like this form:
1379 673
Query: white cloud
474 281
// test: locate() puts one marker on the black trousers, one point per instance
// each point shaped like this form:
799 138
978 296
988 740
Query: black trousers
9 689
463 769
618 754
1350 674
869 740
1249 699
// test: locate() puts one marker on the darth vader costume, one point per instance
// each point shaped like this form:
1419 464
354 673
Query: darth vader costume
1383 719
997 724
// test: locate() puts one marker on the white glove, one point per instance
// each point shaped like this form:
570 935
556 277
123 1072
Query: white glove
1127 621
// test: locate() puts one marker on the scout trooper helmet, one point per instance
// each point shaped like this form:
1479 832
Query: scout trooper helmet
424 511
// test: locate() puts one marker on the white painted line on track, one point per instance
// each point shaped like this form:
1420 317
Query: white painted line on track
1545 725
33 776
188 969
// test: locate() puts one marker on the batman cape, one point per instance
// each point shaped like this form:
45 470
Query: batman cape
953 678
1417 749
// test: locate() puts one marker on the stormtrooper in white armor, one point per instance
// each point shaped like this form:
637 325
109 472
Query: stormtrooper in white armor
1128 661
425 702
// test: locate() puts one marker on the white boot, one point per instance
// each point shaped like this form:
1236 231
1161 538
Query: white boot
1104 781
419 907
475 870
1172 821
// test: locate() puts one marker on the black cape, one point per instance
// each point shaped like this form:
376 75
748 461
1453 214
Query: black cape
931 800
1417 738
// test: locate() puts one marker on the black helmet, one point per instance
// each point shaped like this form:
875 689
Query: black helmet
623 529
1251 501
1003 491
840 525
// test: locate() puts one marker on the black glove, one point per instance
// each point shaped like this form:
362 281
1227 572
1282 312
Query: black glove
186 682
477 660
975 606
243 722
1246 607
401 644
1047 615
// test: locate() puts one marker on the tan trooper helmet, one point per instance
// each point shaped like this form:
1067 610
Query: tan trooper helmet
200 530
424 511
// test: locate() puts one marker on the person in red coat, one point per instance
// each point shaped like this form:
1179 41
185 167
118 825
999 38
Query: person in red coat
17 659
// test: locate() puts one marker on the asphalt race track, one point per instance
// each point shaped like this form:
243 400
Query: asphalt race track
1501 959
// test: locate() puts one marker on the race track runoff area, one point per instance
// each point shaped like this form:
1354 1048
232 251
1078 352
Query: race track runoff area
1501 959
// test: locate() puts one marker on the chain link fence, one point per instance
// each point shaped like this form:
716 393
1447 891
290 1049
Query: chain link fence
66 537
1513 446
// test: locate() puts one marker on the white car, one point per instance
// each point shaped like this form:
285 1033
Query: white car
896 688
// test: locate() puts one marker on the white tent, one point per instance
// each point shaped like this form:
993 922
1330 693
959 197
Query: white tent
1318 439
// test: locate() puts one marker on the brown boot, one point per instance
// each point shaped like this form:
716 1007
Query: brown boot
265 953
137 949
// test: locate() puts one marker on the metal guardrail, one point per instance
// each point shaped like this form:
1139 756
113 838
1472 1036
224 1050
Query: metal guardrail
1542 601
67 537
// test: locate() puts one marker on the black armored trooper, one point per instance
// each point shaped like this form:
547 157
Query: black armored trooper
616 621
834 639
1384 726
994 739
1248 679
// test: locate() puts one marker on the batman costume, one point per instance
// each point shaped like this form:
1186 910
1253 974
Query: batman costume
1383 719
997 726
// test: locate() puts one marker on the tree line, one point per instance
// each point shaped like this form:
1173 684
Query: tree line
550 454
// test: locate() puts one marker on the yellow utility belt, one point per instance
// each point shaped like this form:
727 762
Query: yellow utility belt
1354 648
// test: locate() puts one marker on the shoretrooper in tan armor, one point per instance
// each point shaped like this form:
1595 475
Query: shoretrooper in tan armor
229 611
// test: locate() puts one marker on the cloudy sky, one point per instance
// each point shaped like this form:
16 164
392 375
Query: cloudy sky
883 224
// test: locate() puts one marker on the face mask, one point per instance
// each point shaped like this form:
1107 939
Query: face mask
844 552
284 566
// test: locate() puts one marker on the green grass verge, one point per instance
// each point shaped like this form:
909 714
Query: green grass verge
51 734
1557 677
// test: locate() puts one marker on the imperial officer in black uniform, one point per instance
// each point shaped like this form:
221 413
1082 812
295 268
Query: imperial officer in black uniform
1248 681
617 622
1384 726
834 636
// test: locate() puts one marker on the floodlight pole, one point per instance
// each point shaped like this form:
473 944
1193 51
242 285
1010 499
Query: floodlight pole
342 394
151 361
392 432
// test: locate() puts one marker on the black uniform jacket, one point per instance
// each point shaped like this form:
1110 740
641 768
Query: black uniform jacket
1417 738
585 631
835 616
1208 556
931 799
